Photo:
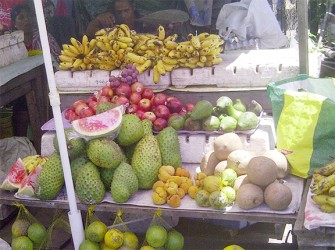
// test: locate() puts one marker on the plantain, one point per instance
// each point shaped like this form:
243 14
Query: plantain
156 75
324 184
327 169
331 191
318 177
320 199
326 208
161 32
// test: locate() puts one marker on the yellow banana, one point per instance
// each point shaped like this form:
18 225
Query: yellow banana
212 36
181 47
77 63
118 63
103 31
125 39
168 60
84 40
185 43
204 51
144 66
192 60
169 67
92 44
171 38
65 58
149 53
202 36
190 65
120 33
331 201
136 58
320 199
76 44
326 208
201 64
125 29
328 169
161 33
103 39
324 184
160 67
82 66
120 53
195 53
121 45
104 46
90 66
203 59
115 46
112 35
189 48
65 65
108 67
171 45
331 191
156 75
195 41
71 48
217 60
67 52
318 177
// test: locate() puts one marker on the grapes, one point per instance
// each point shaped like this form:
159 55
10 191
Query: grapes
128 75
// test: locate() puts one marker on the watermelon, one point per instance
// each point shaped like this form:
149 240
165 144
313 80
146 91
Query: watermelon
15 176
27 187
103 124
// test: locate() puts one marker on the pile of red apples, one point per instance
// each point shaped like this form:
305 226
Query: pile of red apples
137 99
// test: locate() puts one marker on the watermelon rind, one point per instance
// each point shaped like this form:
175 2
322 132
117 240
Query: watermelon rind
104 124
15 176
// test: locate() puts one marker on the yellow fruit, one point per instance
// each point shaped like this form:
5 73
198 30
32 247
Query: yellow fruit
114 238
96 231
130 240
147 248
22 243
233 247
89 245
156 235
20 228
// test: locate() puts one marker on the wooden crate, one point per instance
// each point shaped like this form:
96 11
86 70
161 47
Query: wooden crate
12 48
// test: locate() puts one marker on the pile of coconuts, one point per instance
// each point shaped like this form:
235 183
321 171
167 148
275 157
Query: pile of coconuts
260 176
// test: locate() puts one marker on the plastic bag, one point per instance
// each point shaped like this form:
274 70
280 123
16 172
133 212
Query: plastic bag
200 12
250 19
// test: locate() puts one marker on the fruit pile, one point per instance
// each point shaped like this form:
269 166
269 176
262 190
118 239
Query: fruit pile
116 47
323 187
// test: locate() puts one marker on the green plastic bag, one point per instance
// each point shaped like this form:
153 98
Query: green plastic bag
304 113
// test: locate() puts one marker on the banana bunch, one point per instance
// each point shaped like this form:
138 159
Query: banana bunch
77 55
324 187
32 161
112 46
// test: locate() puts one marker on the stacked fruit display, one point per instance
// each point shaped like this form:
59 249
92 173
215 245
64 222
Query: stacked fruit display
116 47
323 187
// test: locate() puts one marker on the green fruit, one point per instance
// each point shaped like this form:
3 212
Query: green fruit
130 240
212 183
175 240
147 126
234 112
131 130
104 152
255 107
230 193
76 164
223 102
124 183
228 177
211 123
218 200
89 187
106 175
20 227
146 161
201 110
89 245
129 151
95 231
101 125
76 146
22 243
51 178
37 232
239 105
227 124
192 125
102 107
176 122
247 120
156 235
202 198
169 147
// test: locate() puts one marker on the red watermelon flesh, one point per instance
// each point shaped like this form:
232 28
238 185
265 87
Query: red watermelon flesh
15 176
103 124
28 184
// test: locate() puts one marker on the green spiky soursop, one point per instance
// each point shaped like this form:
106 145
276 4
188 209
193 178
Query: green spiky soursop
146 161
76 146
131 130
124 183
147 126
104 152
169 147
104 106
129 151
76 164
51 178
89 187
106 175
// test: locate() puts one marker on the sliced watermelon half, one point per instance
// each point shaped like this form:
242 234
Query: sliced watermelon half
28 184
103 124
15 176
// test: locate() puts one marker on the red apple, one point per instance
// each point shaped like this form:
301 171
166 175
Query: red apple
86 112
137 87
122 100
91 99
149 115
103 99
68 113
189 107
159 124
78 102
123 90
147 93
174 105
159 99
144 104
140 113
93 105
135 98
132 109
107 91
79 107
73 116
183 111
161 111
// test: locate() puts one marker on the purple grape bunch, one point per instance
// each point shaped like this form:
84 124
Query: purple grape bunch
128 75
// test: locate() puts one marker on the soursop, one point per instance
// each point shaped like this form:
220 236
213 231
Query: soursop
169 147
89 187
124 183
129 151
105 153
131 130
51 178
104 106
146 161
76 164
147 126
106 175
76 146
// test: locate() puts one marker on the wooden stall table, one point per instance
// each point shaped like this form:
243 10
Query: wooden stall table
318 238
27 78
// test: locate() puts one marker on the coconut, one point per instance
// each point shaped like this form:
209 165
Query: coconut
261 171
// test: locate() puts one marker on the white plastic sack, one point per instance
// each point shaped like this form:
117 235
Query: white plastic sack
249 19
